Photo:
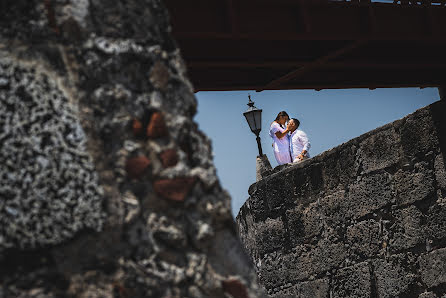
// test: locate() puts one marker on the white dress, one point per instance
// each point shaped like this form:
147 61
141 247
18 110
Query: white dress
299 142
281 147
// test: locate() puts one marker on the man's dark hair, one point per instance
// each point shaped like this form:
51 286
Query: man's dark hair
297 122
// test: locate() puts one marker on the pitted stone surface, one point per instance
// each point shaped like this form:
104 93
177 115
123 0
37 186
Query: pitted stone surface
316 288
354 281
48 186
92 96
433 267
380 150
408 230
368 216
393 276
365 238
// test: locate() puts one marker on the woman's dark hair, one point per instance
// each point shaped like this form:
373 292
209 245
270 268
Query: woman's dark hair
281 114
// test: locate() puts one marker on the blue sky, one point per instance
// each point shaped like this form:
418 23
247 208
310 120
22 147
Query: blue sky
329 117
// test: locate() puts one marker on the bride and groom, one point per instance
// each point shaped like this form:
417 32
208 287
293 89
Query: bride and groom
289 143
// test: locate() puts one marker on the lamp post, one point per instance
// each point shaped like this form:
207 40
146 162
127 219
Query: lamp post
254 118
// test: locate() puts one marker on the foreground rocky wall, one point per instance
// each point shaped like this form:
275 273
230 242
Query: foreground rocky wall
107 187
364 219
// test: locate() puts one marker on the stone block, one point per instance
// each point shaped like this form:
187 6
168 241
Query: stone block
380 150
415 185
433 267
315 260
417 133
393 278
269 235
364 238
367 195
331 204
440 172
49 187
339 166
318 288
279 190
307 183
427 295
304 223
436 222
277 269
315 288
257 205
245 224
407 230
353 281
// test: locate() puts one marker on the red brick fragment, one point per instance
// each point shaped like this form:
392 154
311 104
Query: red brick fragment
169 158
157 127
174 189
50 14
136 166
235 287
137 127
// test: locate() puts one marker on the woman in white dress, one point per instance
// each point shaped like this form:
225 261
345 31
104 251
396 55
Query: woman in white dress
281 142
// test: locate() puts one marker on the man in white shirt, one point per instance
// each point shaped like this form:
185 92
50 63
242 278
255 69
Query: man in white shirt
299 144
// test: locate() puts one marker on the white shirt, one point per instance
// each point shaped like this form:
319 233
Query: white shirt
298 143
281 146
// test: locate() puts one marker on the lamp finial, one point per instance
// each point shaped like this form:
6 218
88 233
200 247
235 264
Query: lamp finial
250 102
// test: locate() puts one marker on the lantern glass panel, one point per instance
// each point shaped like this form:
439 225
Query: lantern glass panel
254 119
250 119
258 120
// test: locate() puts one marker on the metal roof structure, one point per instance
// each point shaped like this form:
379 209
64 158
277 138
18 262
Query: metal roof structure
311 44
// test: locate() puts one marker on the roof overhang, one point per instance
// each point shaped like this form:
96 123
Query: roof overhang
302 44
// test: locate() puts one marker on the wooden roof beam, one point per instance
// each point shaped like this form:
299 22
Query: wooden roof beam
232 17
312 65
319 87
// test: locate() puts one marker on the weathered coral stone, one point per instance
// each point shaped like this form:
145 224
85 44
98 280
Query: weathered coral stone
174 189
136 166
137 127
235 288
159 75
169 158
157 127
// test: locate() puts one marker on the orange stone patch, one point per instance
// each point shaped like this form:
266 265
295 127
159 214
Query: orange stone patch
169 158
137 127
157 127
235 288
136 166
174 189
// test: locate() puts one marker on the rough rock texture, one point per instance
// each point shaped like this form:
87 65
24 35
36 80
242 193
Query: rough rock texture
364 219
107 187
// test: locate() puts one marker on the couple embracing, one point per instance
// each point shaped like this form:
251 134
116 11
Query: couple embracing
289 143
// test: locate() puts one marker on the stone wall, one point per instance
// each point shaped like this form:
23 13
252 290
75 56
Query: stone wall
107 187
364 219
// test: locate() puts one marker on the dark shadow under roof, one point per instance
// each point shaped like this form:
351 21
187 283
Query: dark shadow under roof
303 44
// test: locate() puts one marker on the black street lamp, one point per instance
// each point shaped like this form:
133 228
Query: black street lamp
254 118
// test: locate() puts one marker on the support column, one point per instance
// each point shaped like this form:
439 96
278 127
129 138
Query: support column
263 167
